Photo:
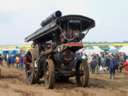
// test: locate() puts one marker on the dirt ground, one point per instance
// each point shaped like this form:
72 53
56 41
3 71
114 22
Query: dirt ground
12 83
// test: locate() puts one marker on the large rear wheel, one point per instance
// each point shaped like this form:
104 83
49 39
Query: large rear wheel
0 72
30 69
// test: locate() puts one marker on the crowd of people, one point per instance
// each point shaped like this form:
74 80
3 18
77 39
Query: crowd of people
108 62
13 60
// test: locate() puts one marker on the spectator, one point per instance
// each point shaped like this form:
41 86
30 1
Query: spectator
1 60
98 62
125 65
17 61
93 64
112 66
9 60
102 60
107 60
21 61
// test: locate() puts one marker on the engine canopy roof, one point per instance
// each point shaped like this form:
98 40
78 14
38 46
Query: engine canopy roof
85 22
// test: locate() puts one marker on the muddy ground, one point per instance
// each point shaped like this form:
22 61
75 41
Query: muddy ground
12 83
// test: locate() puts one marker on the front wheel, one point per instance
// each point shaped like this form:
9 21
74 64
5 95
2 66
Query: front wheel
49 74
82 74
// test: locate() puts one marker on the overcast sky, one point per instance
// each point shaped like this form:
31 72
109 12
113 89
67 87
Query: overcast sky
19 18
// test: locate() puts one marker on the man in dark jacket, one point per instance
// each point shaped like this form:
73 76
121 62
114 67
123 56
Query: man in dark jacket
112 66
93 64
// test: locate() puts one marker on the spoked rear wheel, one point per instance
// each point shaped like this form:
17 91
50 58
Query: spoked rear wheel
30 69
31 77
0 72
82 74
49 75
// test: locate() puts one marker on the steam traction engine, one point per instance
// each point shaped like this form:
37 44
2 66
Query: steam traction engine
53 54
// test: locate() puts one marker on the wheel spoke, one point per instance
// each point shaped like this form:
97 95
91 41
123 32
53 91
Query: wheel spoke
49 75
83 76
31 70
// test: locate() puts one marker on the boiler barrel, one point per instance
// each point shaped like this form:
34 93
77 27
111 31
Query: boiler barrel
51 18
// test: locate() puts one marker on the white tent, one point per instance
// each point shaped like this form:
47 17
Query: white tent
113 49
0 52
92 50
124 49
98 49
